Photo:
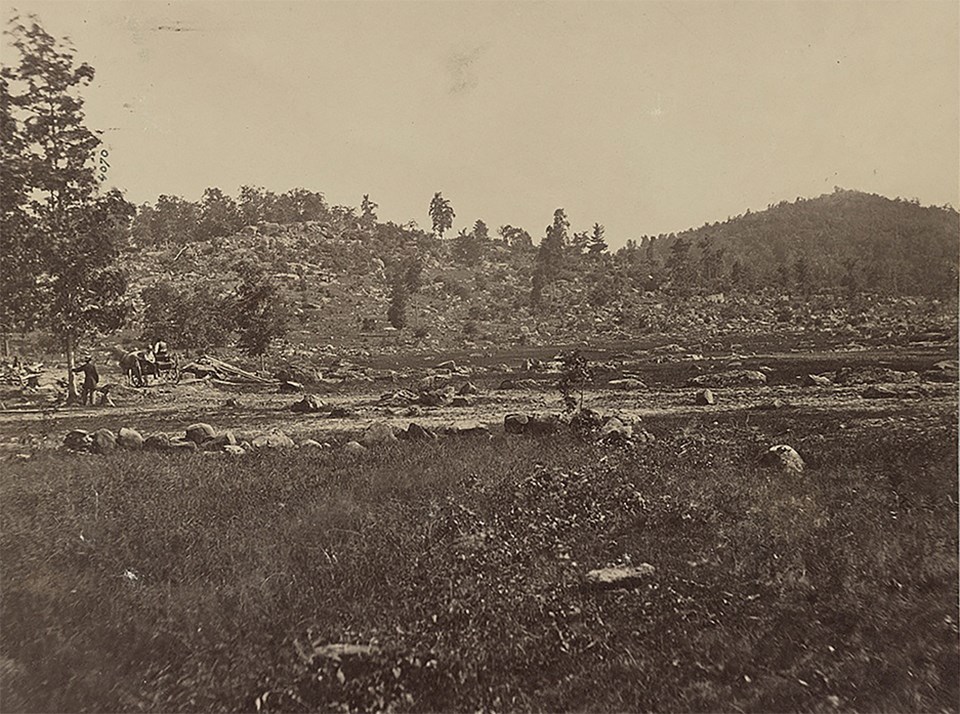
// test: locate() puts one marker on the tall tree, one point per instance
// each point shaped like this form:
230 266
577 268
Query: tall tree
260 313
441 213
219 215
597 245
368 212
79 233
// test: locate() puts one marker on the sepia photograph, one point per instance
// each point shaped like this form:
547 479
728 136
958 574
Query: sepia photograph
479 356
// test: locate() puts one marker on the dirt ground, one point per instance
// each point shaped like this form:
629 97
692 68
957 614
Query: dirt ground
31 421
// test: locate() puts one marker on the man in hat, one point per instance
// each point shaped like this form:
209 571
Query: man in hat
90 379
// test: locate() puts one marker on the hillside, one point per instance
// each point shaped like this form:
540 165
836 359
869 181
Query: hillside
847 265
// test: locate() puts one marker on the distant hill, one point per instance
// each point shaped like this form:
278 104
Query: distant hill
745 274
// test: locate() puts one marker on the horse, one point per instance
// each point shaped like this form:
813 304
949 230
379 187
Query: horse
130 365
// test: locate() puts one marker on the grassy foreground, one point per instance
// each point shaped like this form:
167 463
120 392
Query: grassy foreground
205 583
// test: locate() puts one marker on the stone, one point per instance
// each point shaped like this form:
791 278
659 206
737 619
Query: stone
378 433
879 392
355 448
104 441
784 458
234 449
312 444
199 433
219 443
288 386
515 423
341 413
540 424
817 380
273 440
156 442
78 440
627 383
618 577
730 378
615 428
705 398
467 389
415 432
470 427
461 402
129 439
182 445
310 404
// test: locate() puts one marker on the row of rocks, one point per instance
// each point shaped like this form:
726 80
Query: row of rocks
609 427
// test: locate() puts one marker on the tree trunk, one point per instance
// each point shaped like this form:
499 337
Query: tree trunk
71 338
6 345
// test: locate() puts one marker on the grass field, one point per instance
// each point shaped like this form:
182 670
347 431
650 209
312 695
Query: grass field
204 583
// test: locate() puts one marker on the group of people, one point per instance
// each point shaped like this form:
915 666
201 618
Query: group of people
156 354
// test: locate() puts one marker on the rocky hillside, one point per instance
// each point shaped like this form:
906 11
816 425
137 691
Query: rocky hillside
845 265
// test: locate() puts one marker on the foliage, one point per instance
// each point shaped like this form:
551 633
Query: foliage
190 317
260 313
441 213
397 309
574 377
70 233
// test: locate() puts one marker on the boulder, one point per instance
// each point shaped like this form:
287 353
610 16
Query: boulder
467 389
129 439
156 442
705 398
515 423
104 441
817 380
78 440
539 424
615 428
783 457
879 392
415 432
199 433
618 577
377 434
219 443
181 445
234 449
312 444
469 428
627 383
730 378
273 440
355 448
310 404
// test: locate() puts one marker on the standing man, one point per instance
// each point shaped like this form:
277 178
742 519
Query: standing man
90 379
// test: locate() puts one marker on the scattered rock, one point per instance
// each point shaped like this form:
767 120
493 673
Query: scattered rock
341 413
200 432
156 442
705 398
234 449
468 388
104 441
377 434
219 443
618 577
515 423
772 404
817 380
273 440
354 447
129 439
615 428
783 457
730 378
469 428
78 440
181 445
627 383
879 392
312 444
310 404
415 432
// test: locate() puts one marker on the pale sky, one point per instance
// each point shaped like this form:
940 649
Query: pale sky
647 117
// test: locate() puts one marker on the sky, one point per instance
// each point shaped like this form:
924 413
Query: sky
647 117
